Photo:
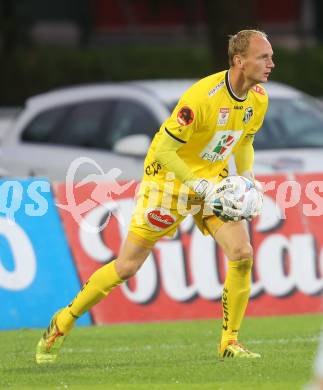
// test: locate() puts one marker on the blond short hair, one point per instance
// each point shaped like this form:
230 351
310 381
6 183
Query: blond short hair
239 43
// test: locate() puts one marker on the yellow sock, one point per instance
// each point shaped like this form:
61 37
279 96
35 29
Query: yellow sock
94 290
235 298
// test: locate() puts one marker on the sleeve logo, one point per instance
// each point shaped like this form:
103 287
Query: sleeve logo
257 88
185 116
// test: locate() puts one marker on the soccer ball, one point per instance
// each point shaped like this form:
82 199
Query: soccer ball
244 192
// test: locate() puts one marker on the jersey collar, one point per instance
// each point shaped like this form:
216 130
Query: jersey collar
229 88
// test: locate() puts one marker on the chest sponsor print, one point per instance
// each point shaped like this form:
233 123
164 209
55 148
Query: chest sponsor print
221 145
214 90
223 116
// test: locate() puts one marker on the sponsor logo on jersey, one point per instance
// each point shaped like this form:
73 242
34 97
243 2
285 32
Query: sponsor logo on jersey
159 219
223 116
238 107
221 145
247 115
214 90
259 89
185 116
153 168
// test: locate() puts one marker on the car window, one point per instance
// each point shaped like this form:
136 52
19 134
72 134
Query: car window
82 125
100 124
43 126
74 124
129 118
291 123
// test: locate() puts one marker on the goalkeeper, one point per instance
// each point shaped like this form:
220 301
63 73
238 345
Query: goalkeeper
215 118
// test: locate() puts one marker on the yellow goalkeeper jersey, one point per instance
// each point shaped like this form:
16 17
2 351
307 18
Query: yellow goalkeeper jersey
211 123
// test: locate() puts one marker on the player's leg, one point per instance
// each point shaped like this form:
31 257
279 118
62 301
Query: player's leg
132 255
148 224
233 238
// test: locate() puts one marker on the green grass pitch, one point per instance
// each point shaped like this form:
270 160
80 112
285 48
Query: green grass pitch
168 356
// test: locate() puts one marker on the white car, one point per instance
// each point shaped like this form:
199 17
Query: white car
113 124
8 116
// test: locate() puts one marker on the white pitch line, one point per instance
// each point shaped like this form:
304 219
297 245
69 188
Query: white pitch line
311 339
148 347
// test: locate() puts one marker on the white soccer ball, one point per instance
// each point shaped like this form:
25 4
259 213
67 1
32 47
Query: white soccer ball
244 193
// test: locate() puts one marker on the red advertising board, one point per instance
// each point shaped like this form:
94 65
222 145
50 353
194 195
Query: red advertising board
183 277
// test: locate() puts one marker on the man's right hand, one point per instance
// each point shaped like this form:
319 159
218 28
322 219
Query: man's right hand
216 198
231 209
210 191
220 199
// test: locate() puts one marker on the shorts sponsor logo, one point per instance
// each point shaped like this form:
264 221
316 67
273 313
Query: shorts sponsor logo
223 116
221 145
185 116
159 219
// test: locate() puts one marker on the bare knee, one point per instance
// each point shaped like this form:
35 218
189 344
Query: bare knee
239 251
127 269
131 258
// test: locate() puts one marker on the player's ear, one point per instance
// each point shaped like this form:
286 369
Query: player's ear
237 60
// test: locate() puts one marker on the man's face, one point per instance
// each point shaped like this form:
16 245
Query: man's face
257 63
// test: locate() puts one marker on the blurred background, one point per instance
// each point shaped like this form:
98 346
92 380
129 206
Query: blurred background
46 44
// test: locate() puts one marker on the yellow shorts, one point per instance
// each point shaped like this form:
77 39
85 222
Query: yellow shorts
158 213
